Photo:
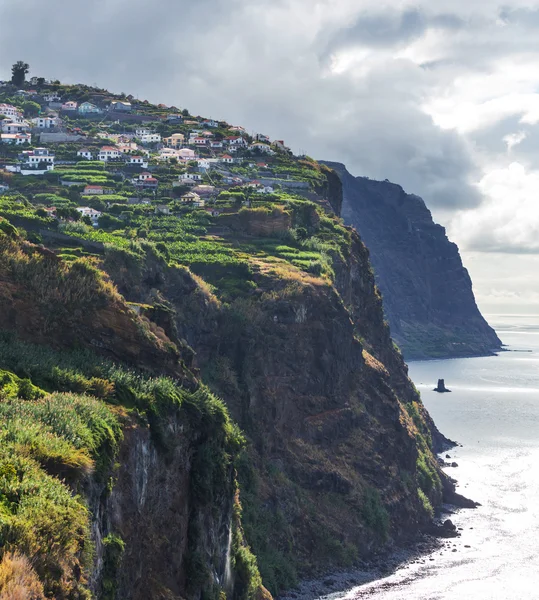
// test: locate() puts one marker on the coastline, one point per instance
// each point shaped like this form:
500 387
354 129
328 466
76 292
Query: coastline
336 583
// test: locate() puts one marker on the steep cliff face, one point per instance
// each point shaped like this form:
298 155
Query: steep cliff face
134 474
285 324
428 297
341 449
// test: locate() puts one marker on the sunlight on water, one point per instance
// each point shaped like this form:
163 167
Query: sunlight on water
493 411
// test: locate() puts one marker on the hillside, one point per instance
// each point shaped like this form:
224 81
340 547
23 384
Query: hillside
216 404
428 297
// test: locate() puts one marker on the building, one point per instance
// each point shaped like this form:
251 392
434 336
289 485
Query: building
85 153
45 122
187 182
87 108
3 188
39 158
51 98
162 209
16 138
69 106
121 106
204 191
226 158
91 190
14 127
10 111
150 138
216 145
187 154
210 123
146 181
193 176
108 153
92 213
236 141
176 140
191 197
137 161
260 147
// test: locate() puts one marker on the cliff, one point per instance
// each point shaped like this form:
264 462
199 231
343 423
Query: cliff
340 457
428 297
150 486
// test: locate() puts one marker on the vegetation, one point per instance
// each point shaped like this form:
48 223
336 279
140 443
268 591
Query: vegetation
18 73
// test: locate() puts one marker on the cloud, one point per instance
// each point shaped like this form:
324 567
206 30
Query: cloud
508 220
427 94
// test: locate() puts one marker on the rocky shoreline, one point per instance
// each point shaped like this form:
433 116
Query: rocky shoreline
418 551
386 562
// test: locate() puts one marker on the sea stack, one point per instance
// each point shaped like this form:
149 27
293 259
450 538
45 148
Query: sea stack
441 387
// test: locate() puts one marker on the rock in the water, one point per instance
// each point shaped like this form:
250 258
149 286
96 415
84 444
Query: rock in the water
441 386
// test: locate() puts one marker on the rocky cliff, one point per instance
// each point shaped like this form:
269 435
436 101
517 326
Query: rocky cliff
340 457
428 297
285 324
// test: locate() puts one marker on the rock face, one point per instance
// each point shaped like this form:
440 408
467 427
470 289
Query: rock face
341 448
428 297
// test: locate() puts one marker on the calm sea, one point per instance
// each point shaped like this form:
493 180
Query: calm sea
493 411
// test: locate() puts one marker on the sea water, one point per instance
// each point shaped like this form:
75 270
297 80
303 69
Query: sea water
493 411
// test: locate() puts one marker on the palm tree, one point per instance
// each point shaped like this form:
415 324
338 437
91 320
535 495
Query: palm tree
18 73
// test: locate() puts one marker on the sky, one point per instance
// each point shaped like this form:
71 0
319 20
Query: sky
440 96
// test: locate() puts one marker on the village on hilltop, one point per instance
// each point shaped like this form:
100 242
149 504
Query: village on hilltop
102 144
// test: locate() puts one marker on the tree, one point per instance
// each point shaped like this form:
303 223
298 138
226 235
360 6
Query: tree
31 109
18 73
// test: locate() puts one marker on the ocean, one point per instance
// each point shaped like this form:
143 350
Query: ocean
493 412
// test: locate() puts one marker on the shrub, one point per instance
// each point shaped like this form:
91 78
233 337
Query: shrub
374 513
18 580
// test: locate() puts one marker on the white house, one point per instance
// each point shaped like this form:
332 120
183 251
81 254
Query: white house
203 164
237 141
199 141
259 147
10 111
226 158
150 138
86 211
214 144
193 176
210 123
187 154
108 153
9 126
119 106
85 153
37 162
267 189
16 138
69 106
51 98
137 161
142 131
44 122
260 137
87 108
